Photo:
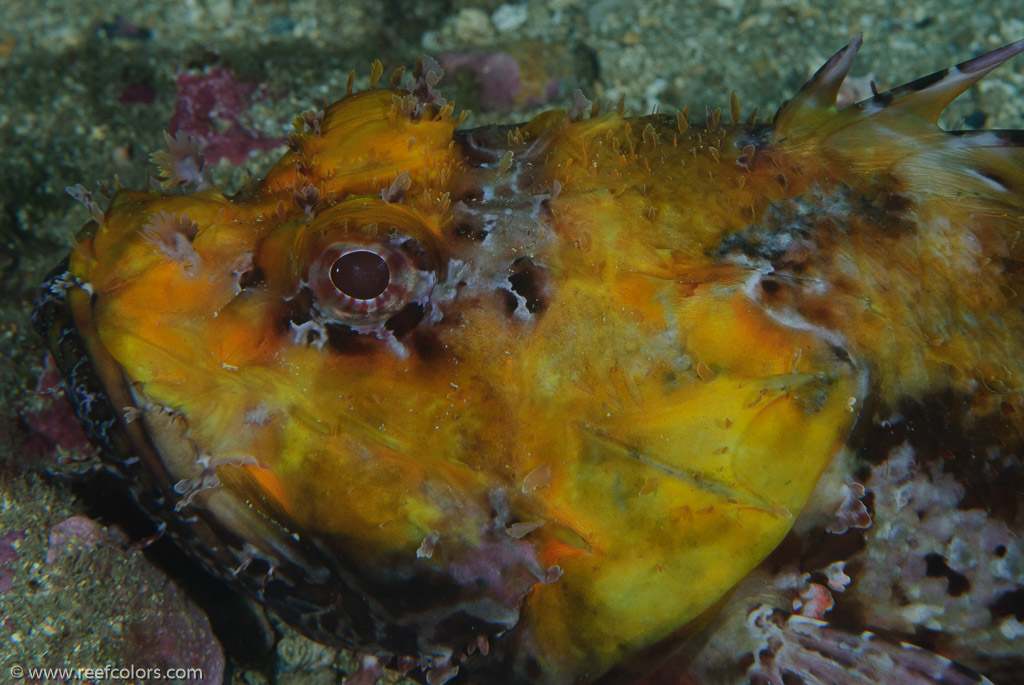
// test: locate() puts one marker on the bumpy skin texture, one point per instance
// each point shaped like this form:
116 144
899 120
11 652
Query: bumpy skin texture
613 359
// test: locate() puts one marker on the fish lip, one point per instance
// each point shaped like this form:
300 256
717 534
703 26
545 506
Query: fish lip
209 526
54 319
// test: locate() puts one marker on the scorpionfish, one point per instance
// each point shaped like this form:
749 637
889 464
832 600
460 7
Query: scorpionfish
524 404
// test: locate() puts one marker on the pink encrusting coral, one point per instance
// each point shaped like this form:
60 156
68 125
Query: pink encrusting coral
936 564
161 627
210 106
48 432
77 592
800 649
74 532
852 513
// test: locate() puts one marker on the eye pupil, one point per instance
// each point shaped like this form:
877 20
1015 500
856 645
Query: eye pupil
362 275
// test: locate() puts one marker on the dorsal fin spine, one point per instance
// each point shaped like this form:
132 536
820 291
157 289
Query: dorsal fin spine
811 111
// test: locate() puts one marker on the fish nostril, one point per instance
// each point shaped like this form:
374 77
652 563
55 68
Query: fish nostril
250 278
345 340
527 282
510 301
470 231
472 193
405 320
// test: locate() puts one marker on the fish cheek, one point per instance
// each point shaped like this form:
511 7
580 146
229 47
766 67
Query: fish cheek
682 496
804 396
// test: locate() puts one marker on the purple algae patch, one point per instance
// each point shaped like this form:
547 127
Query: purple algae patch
8 557
137 93
502 83
210 105
73 532
44 430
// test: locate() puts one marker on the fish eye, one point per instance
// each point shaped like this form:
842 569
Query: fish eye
361 274
363 284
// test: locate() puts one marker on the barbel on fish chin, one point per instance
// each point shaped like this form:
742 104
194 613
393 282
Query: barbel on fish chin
524 403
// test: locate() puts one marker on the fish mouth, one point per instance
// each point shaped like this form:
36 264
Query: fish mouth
230 537
239 530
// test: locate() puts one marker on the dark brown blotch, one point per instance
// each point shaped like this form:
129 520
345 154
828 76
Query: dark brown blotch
470 230
936 567
896 203
1010 603
295 311
1012 138
344 340
529 281
253 278
987 447
996 178
509 300
792 678
405 320
427 345
770 286
925 81
468 193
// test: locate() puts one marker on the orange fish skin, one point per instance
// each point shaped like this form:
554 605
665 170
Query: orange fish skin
611 359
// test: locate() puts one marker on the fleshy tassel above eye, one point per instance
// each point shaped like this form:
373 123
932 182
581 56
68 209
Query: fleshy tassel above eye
172 234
